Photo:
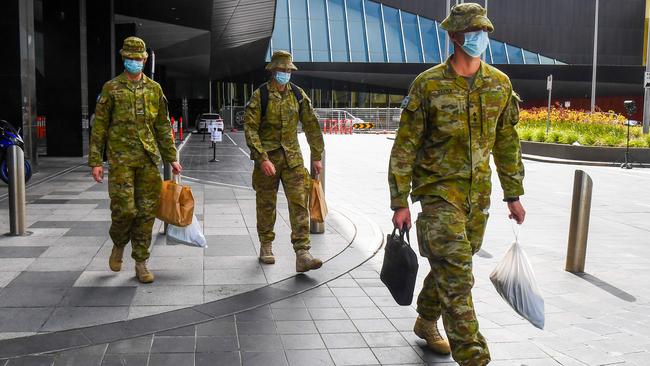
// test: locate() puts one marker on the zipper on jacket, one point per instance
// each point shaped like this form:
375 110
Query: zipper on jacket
471 161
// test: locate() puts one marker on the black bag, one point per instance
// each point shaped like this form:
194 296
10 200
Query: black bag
400 267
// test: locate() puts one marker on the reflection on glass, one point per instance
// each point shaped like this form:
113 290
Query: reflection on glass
281 30
412 38
376 39
318 21
498 52
357 31
515 56
393 35
300 30
430 40
337 31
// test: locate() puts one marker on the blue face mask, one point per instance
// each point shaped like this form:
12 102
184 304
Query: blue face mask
133 66
282 77
476 43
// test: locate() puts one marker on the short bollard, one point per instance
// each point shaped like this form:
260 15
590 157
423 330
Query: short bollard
579 226
318 227
167 175
16 167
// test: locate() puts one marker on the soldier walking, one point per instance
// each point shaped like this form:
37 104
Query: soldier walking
271 128
132 120
455 114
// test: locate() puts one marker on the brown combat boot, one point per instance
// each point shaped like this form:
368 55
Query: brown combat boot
266 253
428 330
115 260
142 273
305 261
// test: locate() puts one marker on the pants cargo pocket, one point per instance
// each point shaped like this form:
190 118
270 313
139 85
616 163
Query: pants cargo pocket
423 227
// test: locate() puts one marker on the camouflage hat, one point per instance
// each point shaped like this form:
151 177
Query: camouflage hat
281 60
134 47
467 16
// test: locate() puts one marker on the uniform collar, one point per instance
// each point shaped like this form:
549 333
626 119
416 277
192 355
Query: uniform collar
482 74
274 88
125 80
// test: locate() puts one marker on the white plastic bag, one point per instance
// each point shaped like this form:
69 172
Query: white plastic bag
191 235
515 281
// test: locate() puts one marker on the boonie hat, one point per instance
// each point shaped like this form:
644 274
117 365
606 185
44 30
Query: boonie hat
281 60
134 47
467 16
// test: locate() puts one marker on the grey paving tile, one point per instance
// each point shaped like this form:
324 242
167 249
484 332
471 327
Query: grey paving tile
233 277
385 339
52 224
290 303
99 296
374 325
261 313
216 344
302 341
353 356
125 360
23 319
229 249
356 302
309 357
131 346
291 314
16 264
260 343
322 302
264 359
167 295
365 313
22 252
42 360
7 277
328 313
190 330
335 326
76 317
396 355
348 292
344 340
31 297
174 344
256 327
218 358
295 327
219 327
171 359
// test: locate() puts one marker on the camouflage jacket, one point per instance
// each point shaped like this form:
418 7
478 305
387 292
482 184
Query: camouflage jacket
132 119
446 133
279 127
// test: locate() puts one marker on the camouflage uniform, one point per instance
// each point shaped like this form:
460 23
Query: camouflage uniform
441 157
275 138
132 120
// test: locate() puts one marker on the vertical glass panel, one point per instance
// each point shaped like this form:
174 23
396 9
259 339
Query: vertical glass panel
430 40
379 100
412 37
337 31
357 31
488 55
320 46
281 31
341 98
514 54
393 35
546 60
299 30
531 58
443 34
376 38
498 52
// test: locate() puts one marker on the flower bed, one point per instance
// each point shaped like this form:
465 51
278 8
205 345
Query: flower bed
579 127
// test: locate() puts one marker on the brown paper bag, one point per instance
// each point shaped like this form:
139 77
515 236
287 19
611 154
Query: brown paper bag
317 205
176 203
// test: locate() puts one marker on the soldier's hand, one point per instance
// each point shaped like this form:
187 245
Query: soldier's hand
318 166
98 174
402 217
268 168
176 167
517 211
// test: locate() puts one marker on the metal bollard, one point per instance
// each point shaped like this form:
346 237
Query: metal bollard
167 175
16 166
318 227
579 226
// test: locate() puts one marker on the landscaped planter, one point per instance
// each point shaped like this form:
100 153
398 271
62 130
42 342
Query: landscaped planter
585 153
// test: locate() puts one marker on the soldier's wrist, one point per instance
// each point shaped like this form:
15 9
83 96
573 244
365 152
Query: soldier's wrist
511 199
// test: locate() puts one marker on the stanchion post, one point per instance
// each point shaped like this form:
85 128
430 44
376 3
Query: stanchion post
318 227
16 167
167 175
579 225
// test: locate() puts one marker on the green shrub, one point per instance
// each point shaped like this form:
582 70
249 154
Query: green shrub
526 134
638 143
553 137
587 139
568 137
539 135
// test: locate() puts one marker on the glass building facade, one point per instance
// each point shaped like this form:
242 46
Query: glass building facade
367 31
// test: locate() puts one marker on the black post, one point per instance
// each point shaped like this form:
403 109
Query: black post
630 108
214 152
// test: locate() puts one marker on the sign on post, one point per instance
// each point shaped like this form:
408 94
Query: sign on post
215 128
549 83
646 80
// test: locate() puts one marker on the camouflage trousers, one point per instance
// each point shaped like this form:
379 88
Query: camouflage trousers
134 193
449 237
295 182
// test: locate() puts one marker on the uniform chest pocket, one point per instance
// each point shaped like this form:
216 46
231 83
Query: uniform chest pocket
123 108
491 107
152 105
448 115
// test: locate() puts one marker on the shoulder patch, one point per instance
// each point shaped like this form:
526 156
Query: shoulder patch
405 102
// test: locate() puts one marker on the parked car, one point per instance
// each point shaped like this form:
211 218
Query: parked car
204 119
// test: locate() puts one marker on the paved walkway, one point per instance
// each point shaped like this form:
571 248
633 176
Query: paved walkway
599 318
